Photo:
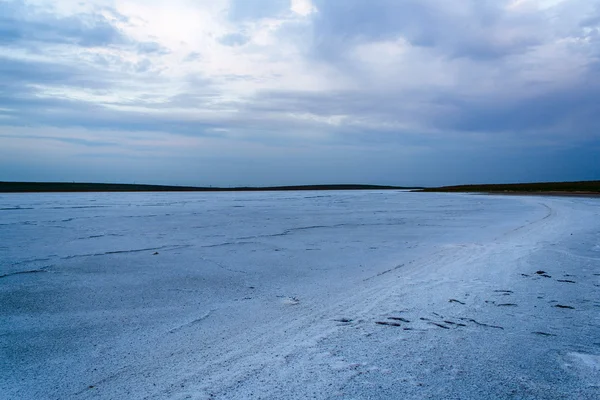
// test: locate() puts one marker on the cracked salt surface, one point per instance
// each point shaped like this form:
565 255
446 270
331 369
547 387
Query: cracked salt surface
363 295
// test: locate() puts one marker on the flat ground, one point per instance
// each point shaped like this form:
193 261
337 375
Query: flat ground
362 295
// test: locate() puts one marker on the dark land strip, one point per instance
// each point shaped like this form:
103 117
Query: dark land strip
582 188
65 187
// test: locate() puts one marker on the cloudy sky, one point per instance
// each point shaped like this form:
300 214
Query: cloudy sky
268 92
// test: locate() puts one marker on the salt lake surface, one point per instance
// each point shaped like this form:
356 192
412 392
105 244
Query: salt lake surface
288 295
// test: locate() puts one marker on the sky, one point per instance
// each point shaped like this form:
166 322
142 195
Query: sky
278 92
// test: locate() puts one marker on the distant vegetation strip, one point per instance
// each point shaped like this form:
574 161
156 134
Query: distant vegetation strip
583 187
63 187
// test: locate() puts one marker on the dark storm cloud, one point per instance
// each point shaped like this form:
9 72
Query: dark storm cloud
469 29
573 111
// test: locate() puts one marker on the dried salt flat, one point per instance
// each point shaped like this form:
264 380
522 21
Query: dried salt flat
298 295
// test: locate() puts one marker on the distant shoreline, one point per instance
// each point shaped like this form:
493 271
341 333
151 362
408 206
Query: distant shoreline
64 187
579 189
560 194
541 194
582 188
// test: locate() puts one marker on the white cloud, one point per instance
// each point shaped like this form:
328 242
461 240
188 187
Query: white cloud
200 77
522 52
303 7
